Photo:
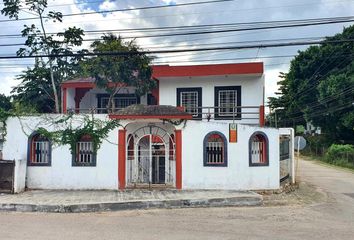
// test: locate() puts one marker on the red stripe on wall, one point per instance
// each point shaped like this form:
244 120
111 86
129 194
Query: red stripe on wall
121 158
64 100
178 137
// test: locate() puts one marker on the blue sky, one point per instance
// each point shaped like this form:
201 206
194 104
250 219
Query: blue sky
228 12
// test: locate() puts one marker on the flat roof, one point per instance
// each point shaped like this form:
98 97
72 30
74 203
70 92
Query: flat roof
161 71
207 70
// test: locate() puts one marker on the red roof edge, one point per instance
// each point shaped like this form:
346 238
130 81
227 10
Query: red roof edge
207 70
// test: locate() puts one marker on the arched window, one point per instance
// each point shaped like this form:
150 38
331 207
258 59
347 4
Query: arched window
130 150
39 150
215 150
258 149
84 152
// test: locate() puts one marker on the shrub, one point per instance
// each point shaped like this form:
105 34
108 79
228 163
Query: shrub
342 155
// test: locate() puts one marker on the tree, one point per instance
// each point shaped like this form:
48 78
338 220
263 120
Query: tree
5 102
116 71
319 88
39 41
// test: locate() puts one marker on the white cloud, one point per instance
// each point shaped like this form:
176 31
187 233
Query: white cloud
107 5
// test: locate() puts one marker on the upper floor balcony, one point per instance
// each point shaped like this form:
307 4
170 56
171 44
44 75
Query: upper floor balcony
226 92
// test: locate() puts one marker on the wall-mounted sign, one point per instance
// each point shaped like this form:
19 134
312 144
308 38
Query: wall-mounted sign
233 132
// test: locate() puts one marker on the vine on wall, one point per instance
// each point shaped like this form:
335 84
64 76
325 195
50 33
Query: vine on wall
97 129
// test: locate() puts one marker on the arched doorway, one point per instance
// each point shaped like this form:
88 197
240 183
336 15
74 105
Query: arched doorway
150 157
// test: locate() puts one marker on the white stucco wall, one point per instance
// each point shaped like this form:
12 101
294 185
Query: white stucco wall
238 174
70 98
61 174
20 175
251 90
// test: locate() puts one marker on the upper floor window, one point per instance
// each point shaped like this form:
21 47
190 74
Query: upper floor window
39 150
120 101
215 149
227 100
258 149
85 154
191 100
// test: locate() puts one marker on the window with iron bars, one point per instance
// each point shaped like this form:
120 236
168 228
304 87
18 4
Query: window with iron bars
84 152
191 100
215 150
120 101
39 152
258 150
227 102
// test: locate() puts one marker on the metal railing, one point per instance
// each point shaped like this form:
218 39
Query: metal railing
199 113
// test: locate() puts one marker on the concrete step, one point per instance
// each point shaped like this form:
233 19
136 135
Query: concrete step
101 201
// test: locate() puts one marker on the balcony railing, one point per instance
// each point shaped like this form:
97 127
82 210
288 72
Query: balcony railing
253 113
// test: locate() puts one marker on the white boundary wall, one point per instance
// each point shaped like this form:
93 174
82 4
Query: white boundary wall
62 175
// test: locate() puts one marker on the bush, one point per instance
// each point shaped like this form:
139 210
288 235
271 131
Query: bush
342 155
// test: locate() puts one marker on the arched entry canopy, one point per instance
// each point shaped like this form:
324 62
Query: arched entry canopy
150 155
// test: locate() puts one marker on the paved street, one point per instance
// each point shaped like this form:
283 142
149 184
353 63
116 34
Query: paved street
329 219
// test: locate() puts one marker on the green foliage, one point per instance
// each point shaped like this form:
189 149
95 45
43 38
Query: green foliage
319 88
40 85
341 155
115 72
5 102
97 129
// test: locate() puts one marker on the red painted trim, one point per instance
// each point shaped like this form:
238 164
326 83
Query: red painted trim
79 94
156 92
64 106
78 85
121 158
187 116
207 70
178 137
87 85
261 116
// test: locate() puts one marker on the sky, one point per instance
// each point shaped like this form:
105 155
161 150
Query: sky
237 11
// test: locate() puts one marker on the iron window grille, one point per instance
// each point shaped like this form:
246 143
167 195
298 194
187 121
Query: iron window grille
258 149
227 102
39 150
120 101
84 153
215 150
191 100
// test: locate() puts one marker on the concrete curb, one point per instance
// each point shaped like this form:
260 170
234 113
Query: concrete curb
240 201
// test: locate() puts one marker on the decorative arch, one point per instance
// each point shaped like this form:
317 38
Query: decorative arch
215 150
150 155
39 151
258 149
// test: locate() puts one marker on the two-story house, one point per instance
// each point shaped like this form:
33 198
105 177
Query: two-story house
201 128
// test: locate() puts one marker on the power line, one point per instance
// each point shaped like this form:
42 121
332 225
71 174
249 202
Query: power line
201 44
213 12
122 53
126 9
218 28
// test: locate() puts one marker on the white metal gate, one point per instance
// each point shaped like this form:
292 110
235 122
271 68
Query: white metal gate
150 157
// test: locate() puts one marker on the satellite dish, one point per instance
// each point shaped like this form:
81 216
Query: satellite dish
299 142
